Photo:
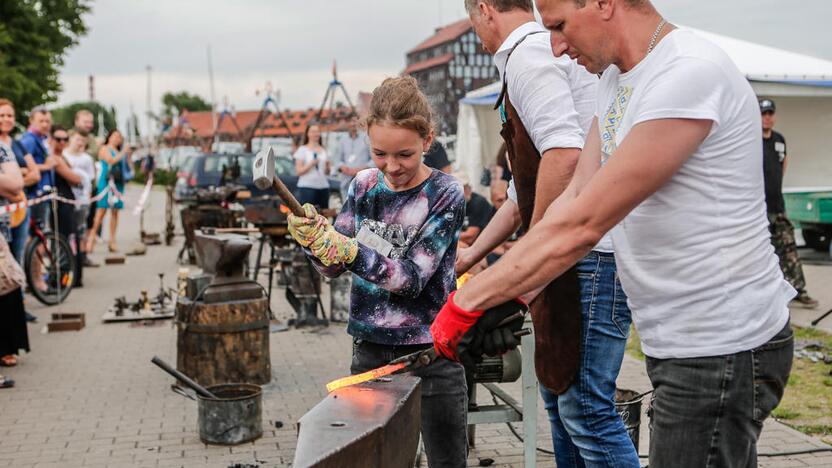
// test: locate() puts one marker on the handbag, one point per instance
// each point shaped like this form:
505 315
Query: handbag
11 275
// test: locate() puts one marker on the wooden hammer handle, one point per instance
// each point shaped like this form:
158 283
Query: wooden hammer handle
287 197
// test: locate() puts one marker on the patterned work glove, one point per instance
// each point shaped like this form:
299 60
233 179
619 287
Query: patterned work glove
333 248
306 229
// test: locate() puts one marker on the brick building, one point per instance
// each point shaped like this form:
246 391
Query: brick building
447 65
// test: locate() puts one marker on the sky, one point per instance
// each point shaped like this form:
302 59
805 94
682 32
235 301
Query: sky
292 43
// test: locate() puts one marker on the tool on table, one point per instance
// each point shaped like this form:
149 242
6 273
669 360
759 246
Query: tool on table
411 361
263 173
199 389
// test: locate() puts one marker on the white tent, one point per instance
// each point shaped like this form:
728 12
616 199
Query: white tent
801 87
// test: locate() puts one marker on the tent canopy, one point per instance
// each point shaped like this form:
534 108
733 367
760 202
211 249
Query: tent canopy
795 80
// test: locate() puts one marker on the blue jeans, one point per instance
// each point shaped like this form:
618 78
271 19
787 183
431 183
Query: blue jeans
19 236
586 429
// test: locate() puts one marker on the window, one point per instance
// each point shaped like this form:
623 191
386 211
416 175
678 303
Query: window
456 48
476 73
459 70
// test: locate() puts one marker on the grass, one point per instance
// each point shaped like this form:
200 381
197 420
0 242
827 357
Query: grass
807 402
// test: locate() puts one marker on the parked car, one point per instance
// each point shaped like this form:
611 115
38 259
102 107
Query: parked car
205 170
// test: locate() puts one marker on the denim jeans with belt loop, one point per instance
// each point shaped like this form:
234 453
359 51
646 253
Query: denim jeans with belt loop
586 428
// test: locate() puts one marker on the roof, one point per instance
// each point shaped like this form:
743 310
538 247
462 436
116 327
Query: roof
444 34
763 63
429 63
202 124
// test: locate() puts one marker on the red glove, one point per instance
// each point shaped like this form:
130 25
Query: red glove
450 325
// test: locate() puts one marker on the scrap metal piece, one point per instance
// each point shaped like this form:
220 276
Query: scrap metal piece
371 425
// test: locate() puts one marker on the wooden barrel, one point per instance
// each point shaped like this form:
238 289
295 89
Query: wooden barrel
225 342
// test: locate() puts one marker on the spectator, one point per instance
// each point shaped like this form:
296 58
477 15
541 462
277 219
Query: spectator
478 212
111 177
84 124
312 166
782 231
65 179
437 158
31 176
34 142
352 156
13 333
84 165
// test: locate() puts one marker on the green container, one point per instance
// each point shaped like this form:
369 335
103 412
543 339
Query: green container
811 207
811 211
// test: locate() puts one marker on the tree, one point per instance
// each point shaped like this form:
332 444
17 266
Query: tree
34 37
182 101
65 116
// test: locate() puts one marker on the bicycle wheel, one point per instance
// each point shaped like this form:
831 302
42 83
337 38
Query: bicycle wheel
57 268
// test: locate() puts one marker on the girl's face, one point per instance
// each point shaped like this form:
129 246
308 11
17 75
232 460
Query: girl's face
314 134
115 139
6 119
77 142
397 152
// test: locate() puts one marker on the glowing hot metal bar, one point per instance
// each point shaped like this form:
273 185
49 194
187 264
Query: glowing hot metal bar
364 377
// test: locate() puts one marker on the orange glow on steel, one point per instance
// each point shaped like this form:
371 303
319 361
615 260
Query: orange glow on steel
364 377
284 209
463 279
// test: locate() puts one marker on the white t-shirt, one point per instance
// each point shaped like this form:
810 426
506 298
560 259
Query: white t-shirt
695 258
554 96
315 177
83 165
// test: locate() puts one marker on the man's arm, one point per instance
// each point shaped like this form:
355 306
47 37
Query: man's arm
643 163
32 175
504 223
557 166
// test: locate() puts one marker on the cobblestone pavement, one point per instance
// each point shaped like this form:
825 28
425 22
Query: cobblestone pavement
92 398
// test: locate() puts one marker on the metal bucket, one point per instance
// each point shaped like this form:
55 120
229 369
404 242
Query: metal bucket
628 407
234 417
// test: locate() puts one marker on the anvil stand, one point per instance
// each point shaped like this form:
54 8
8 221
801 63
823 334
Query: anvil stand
511 410
275 237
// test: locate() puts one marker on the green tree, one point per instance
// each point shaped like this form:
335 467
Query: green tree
65 116
182 101
34 38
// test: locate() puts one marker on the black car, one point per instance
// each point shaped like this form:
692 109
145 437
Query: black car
206 170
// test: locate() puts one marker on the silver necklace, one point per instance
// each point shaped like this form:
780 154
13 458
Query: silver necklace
656 35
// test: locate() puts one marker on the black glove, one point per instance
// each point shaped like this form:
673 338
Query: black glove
487 332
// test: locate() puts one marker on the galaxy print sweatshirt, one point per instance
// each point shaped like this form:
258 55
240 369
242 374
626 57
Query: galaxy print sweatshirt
396 295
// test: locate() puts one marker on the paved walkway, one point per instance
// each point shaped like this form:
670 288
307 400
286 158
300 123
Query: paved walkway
92 398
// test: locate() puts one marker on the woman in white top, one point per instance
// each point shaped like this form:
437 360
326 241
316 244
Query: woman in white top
312 167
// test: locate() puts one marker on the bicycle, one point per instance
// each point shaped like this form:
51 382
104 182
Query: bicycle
57 262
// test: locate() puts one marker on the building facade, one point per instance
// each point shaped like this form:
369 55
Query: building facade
447 65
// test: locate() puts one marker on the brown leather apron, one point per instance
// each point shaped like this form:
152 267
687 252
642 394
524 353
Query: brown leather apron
556 312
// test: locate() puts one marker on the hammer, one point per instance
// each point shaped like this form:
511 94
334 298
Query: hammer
263 173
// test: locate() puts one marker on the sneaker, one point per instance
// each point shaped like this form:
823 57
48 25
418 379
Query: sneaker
804 300
30 318
90 263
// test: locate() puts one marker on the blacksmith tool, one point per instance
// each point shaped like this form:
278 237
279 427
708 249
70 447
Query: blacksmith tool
263 174
411 362
199 389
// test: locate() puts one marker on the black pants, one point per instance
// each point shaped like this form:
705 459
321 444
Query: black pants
444 400
708 412
317 197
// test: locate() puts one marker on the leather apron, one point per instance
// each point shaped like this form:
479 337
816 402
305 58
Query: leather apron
556 312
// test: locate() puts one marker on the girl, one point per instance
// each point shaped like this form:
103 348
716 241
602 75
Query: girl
411 215
312 166
111 157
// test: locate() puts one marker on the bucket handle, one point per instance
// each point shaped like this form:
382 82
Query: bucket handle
177 389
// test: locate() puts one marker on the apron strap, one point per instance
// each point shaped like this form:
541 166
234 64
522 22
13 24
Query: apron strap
505 70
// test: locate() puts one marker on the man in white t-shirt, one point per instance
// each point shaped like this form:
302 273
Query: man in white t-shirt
672 167
554 99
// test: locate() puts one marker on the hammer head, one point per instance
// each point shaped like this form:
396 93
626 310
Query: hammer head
263 168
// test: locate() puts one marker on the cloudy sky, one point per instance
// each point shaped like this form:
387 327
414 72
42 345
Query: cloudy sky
292 43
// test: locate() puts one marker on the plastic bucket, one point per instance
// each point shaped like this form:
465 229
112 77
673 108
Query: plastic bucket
628 406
